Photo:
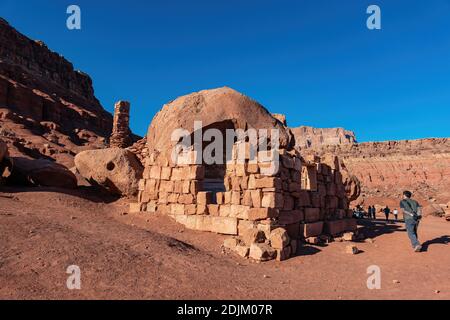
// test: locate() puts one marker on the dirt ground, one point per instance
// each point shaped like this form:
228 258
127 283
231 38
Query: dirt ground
44 231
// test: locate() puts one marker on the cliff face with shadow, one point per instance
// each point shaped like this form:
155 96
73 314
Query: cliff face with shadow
47 108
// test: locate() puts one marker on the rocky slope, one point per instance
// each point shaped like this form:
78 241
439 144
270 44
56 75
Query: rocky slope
47 109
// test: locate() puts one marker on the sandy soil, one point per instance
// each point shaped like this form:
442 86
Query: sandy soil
44 231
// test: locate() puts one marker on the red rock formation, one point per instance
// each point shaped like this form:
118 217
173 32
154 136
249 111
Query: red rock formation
47 109
313 138
385 169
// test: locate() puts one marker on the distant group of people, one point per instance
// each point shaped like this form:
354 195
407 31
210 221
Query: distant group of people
411 212
359 212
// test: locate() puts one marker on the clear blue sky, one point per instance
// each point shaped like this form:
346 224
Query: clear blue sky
314 61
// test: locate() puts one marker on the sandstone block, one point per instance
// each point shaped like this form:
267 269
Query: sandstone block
231 243
256 196
166 186
279 238
289 217
262 252
262 213
251 236
242 251
224 210
312 214
268 182
235 197
224 225
204 197
313 229
202 209
166 173
177 209
190 209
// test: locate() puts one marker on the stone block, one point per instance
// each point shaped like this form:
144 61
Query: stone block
262 252
250 236
313 229
255 214
256 198
283 253
279 238
312 214
204 197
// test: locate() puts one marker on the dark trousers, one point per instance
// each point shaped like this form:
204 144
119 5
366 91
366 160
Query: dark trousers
411 227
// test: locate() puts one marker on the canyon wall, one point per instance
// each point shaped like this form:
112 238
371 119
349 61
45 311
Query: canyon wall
386 169
47 109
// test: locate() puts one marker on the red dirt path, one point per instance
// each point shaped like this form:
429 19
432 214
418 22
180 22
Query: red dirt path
42 232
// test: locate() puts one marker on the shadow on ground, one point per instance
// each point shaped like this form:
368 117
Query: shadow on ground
441 240
376 228
92 194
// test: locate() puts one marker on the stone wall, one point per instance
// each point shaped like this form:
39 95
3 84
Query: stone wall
303 198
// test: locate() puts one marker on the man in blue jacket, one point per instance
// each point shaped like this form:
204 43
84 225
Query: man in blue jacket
412 213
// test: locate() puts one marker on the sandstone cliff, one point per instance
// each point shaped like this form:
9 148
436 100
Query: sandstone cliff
47 109
313 138
385 169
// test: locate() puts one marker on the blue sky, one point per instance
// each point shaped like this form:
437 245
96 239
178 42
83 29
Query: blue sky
314 61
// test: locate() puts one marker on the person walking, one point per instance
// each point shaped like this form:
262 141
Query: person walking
412 212
395 212
387 211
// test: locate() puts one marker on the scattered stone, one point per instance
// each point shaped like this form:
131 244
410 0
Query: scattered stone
437 291
395 281
351 249
262 252
348 236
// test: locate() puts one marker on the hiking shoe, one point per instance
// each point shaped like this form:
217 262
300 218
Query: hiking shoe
418 248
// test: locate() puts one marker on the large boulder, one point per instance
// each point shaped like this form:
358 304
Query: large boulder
222 108
116 170
41 172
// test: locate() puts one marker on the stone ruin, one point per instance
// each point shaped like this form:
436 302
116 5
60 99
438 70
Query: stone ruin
268 212
121 133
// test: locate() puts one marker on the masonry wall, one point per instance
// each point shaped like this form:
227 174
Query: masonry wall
304 196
